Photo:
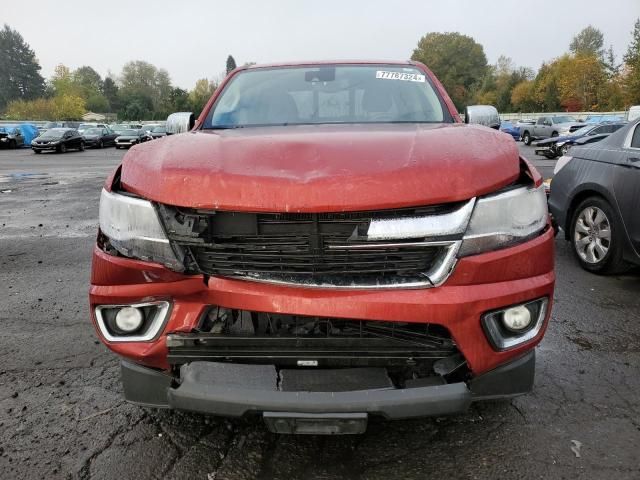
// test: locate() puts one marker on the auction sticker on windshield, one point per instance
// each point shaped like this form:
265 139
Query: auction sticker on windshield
407 77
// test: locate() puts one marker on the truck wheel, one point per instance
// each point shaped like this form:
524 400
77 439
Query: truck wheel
554 134
596 237
526 138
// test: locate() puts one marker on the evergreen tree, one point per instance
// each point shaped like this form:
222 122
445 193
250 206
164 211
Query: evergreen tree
20 77
231 64
632 67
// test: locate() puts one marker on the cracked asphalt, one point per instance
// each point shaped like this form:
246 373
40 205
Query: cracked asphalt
62 413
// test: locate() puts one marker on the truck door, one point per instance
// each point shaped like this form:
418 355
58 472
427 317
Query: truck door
538 128
627 187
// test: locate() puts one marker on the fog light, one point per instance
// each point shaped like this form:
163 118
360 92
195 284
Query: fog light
517 318
512 326
137 322
129 319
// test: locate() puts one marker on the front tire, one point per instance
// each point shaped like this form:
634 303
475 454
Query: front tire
62 148
101 144
596 237
526 139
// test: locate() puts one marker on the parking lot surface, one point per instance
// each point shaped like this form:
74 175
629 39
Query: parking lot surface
62 413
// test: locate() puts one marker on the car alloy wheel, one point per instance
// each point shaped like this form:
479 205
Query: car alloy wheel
592 235
63 148
526 139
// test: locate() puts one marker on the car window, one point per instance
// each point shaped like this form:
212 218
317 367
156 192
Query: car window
635 141
541 120
597 131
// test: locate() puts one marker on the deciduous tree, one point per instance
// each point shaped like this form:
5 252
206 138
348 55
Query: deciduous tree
457 60
589 41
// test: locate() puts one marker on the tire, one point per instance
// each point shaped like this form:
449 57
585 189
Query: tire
101 144
526 139
554 134
596 237
565 149
62 148
81 148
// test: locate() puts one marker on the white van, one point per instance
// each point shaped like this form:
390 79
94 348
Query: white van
634 113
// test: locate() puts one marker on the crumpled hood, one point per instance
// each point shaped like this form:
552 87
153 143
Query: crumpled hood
322 167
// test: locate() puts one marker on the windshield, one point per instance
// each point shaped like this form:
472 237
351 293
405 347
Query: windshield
563 119
93 131
84 126
327 94
129 133
159 130
54 133
583 131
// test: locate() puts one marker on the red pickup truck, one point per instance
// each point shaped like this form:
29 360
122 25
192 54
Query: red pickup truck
328 242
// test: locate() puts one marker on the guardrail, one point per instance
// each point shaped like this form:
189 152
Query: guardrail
577 115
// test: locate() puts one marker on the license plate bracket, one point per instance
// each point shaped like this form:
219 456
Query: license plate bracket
316 423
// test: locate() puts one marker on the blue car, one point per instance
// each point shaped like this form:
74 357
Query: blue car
511 129
555 146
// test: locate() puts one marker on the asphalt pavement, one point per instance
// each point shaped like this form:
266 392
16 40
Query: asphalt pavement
62 414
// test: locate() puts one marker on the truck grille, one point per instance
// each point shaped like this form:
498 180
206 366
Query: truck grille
324 249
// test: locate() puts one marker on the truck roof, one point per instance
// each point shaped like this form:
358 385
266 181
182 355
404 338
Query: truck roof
327 62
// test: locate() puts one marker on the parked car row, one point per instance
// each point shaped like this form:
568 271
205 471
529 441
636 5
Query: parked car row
96 135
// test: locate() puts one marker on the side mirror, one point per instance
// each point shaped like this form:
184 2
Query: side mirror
486 115
180 122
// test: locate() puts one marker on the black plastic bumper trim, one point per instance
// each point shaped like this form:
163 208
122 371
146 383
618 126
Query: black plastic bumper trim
148 387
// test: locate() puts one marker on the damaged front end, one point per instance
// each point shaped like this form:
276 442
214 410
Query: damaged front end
410 352
317 375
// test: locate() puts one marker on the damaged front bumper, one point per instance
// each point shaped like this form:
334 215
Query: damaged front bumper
235 390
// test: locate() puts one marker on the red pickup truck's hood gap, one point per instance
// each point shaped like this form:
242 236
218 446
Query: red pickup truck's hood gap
296 168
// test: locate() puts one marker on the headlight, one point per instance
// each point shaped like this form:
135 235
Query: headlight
134 230
505 219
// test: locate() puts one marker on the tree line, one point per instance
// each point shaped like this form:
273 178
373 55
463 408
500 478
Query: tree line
587 77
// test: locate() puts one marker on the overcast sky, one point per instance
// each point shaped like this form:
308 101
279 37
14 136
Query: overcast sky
191 39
